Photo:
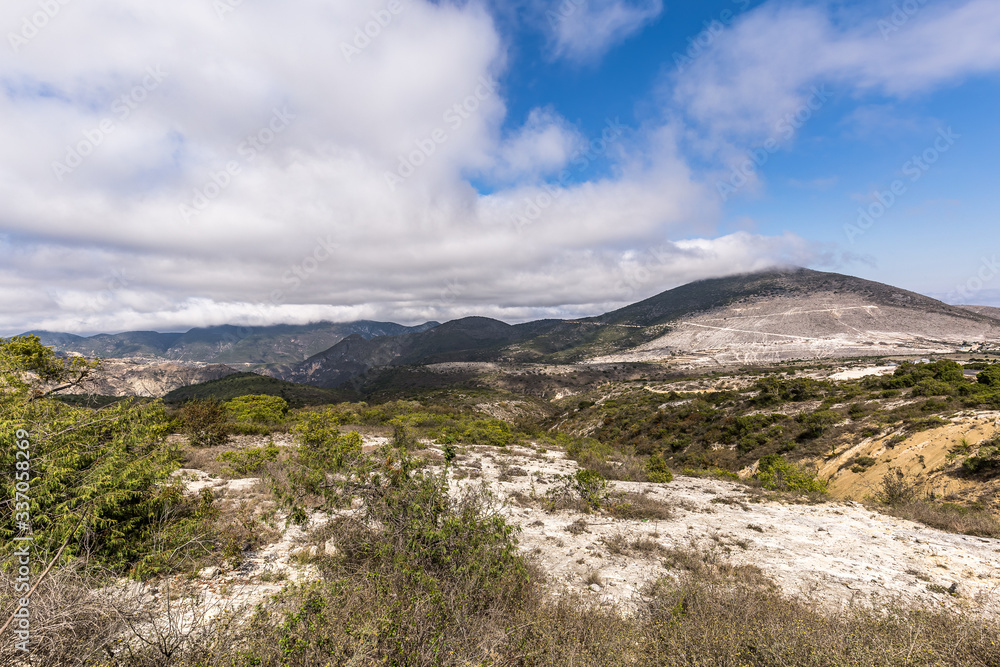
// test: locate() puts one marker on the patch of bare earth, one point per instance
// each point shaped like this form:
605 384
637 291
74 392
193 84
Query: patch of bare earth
830 553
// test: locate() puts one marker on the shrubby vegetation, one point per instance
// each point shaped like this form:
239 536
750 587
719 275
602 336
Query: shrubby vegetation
777 474
257 409
420 576
96 476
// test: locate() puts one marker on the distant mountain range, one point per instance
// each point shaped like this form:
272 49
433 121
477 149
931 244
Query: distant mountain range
755 318
278 344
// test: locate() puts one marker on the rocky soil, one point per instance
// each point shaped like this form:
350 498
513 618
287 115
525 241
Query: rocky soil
832 553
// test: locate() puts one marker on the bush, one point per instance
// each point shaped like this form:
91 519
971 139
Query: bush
257 409
777 474
986 461
816 423
591 485
990 376
895 489
490 432
583 491
97 478
205 422
250 461
318 426
658 471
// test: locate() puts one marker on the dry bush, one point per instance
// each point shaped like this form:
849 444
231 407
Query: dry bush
716 616
950 517
647 546
617 543
73 621
639 506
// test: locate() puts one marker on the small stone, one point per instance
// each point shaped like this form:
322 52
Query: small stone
330 547
313 551
208 573
595 588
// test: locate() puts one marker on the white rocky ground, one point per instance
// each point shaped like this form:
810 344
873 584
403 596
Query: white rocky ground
831 553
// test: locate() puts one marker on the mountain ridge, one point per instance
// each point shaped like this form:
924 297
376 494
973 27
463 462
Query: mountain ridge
229 344
779 314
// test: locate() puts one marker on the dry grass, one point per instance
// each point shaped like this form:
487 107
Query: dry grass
72 620
639 506
707 613
949 517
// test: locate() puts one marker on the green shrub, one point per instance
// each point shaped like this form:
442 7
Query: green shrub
591 485
250 461
816 423
318 426
986 461
98 479
990 376
489 432
658 471
861 463
777 474
257 409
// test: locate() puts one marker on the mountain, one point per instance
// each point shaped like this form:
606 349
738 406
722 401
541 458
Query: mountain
278 344
754 318
798 314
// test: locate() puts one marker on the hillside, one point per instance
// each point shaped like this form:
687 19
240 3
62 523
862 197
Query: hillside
116 377
467 339
246 384
799 314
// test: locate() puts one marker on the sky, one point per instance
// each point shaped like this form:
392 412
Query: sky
199 162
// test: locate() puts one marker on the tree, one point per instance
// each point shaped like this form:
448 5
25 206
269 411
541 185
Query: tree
28 367
90 480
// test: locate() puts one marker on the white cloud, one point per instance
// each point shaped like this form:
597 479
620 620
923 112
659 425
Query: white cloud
759 73
541 147
584 30
279 145
305 226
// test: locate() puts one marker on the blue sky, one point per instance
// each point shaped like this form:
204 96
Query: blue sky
201 162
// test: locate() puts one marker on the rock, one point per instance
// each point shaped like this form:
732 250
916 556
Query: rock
330 547
208 573
595 588
313 551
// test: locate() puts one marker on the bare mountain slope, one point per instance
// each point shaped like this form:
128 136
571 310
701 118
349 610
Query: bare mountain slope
988 311
799 314
117 377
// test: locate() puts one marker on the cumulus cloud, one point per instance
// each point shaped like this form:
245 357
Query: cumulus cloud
542 146
165 166
584 30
